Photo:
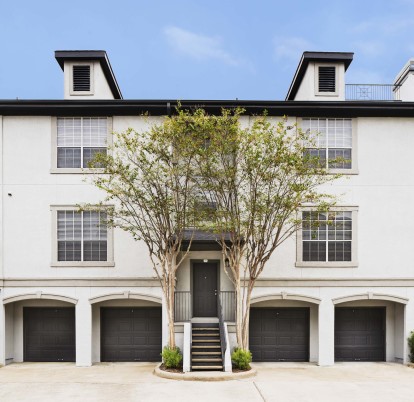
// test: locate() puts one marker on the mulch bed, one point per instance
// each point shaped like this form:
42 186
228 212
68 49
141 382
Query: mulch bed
178 370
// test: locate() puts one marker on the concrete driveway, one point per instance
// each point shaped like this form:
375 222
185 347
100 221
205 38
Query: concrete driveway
274 382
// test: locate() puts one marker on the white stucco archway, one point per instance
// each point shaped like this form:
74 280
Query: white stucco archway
395 318
39 295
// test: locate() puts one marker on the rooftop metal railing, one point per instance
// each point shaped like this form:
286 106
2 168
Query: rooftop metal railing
372 92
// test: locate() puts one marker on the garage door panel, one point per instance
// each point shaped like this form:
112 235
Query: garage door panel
131 334
49 334
268 340
154 341
125 340
360 334
284 340
279 334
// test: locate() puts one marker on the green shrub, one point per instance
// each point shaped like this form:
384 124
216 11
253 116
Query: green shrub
171 357
241 358
411 346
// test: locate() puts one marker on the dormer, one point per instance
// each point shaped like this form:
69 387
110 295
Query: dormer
87 75
320 76
404 82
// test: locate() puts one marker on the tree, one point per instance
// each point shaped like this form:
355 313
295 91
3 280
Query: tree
245 185
257 178
149 191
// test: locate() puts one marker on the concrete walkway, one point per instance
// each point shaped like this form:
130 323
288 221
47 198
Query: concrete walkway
118 382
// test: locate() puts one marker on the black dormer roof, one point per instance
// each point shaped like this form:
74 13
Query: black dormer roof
91 55
323 57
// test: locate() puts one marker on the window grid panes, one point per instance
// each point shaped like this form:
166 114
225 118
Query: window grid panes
79 139
332 141
327 236
82 236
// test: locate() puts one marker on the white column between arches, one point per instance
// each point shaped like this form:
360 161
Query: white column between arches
326 333
83 332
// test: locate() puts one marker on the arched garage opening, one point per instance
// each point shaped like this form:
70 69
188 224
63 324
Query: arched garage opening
370 327
40 327
126 327
284 327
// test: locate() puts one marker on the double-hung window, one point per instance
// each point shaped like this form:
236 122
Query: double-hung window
328 238
332 142
82 238
78 140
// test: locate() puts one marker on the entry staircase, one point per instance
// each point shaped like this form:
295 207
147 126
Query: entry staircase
206 352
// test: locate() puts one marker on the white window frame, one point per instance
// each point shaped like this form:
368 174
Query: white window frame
354 150
317 93
92 83
54 168
330 264
73 264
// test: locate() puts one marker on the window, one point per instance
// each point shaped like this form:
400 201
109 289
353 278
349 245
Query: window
328 239
78 140
82 238
332 142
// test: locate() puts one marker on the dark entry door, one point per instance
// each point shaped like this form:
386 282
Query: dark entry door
279 334
131 334
359 334
205 289
49 334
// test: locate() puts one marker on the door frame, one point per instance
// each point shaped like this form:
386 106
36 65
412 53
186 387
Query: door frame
201 261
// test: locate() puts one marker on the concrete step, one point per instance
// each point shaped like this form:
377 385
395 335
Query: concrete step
207 334
207 368
206 353
206 340
206 347
205 329
207 360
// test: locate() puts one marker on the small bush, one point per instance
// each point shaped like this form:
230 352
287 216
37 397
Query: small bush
171 357
241 358
411 346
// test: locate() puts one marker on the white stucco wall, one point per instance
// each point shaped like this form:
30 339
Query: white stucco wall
307 90
383 191
99 84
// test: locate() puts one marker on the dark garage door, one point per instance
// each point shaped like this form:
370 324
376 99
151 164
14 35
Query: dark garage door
49 334
279 334
131 334
359 334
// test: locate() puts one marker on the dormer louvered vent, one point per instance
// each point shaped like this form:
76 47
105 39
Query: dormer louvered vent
82 78
327 79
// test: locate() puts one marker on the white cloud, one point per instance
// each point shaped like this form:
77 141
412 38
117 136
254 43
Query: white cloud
198 47
290 49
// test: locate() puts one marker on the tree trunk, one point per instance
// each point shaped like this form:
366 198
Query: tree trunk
170 309
239 312
246 316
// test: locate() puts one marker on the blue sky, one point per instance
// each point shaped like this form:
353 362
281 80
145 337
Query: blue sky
200 49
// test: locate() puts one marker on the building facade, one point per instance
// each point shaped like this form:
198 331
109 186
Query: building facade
73 290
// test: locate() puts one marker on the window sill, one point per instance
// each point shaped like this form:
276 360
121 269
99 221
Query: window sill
81 93
82 264
344 172
326 264
74 171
